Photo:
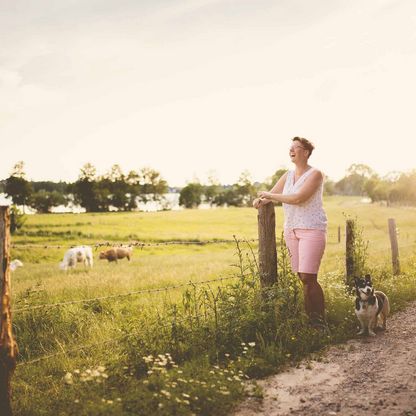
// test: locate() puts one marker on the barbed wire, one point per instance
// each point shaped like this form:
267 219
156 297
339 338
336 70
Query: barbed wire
141 244
388 249
96 344
135 243
121 295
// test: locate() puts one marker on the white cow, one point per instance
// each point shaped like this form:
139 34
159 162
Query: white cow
14 264
79 254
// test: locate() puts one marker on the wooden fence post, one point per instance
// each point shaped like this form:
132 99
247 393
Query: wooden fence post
349 249
394 246
8 347
267 245
339 233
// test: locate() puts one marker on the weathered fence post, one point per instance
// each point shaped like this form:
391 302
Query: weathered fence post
339 233
267 245
349 249
8 347
394 246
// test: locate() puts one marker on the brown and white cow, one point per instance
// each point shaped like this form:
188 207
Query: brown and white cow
116 253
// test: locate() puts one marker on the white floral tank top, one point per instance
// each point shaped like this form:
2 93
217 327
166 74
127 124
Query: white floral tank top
308 215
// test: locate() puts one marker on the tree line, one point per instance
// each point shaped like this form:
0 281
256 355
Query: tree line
124 191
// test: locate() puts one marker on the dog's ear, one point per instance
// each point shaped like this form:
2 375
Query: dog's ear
367 276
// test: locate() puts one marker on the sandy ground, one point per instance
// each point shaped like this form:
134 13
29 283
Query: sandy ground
365 376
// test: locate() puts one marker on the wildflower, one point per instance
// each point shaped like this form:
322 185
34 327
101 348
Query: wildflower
68 378
166 393
186 395
160 405
76 401
227 355
110 402
252 344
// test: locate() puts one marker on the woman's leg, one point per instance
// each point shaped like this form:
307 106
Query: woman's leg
313 296
311 249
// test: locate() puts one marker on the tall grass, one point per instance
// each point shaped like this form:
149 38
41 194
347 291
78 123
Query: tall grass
182 352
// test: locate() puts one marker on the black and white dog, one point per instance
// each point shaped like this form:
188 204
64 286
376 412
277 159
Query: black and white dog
370 304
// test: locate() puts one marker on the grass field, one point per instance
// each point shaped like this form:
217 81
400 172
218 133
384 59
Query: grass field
47 331
158 266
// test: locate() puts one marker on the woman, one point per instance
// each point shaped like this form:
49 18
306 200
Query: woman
300 192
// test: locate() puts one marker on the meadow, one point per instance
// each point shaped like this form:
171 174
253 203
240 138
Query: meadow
189 350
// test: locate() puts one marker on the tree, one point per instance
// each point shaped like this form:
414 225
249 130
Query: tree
244 189
273 180
17 187
212 190
191 195
115 188
152 185
43 201
17 219
355 180
85 189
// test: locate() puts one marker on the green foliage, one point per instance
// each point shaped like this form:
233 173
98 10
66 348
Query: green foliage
115 189
17 186
208 338
17 219
43 200
359 254
191 195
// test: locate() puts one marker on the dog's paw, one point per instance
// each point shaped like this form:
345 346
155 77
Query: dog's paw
371 333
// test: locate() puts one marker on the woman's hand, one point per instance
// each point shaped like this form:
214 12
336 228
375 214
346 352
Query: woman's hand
259 202
265 195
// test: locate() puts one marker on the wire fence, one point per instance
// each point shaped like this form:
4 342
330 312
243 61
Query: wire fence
98 344
143 244
121 295
138 244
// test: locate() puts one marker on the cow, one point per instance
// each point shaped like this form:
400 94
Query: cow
116 253
78 254
14 264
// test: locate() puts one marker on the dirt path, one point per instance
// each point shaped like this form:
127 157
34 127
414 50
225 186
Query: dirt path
367 376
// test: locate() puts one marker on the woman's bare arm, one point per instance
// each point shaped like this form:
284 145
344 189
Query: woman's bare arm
310 186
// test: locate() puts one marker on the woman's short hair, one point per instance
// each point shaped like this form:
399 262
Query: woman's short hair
305 144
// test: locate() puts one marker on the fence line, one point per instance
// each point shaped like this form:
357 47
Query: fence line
388 249
95 344
141 244
135 244
137 292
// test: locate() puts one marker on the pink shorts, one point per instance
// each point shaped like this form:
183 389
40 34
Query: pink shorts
306 248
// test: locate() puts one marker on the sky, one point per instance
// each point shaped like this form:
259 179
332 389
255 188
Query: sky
206 88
